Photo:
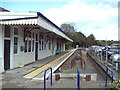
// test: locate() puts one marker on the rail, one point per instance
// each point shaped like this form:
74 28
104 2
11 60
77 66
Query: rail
45 77
112 78
78 78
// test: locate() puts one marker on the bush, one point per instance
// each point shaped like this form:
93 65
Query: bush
115 84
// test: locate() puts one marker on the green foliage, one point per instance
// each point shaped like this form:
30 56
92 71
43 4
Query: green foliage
91 40
108 42
68 27
115 84
68 46
91 36
80 39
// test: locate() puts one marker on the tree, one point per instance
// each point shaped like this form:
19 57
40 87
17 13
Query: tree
91 36
68 27
91 40
78 37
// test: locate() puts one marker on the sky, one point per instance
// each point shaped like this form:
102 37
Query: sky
97 17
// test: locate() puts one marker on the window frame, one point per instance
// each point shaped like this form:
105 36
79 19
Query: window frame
29 41
40 42
5 31
16 36
44 42
33 41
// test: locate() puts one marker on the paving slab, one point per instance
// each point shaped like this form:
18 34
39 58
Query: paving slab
14 77
64 83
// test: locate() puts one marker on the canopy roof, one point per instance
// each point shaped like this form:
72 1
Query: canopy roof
31 18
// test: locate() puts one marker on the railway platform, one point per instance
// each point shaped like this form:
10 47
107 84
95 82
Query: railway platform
31 76
22 77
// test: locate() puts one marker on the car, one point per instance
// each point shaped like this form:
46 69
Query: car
92 48
113 50
100 49
115 60
105 50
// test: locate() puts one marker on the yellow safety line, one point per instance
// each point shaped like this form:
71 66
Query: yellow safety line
46 65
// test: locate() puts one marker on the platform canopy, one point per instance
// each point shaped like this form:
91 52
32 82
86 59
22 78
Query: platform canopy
31 18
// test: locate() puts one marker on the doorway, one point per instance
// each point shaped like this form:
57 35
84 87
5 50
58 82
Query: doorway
52 47
6 54
36 51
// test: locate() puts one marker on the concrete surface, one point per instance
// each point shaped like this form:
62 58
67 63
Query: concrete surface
14 78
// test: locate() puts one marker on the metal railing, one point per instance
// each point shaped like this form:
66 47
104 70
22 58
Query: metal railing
46 78
112 77
78 78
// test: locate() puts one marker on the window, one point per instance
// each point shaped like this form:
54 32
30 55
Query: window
52 44
44 45
25 40
45 42
29 41
25 46
7 31
29 47
32 42
15 31
40 42
15 40
49 44
15 45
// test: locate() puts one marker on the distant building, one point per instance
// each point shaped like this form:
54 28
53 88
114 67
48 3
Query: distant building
27 37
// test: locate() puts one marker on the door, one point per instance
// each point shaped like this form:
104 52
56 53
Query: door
52 47
36 51
6 54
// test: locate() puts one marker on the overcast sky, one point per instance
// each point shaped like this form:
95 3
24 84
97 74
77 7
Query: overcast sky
98 17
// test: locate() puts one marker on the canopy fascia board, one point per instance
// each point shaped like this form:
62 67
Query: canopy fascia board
37 20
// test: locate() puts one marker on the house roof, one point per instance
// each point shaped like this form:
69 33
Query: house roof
30 18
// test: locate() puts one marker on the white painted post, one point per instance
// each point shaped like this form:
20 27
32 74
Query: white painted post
101 55
116 66
64 47
1 49
106 56
77 46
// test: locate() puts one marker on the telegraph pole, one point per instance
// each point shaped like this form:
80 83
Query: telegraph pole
106 51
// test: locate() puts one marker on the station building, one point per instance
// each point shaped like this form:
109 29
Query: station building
27 37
